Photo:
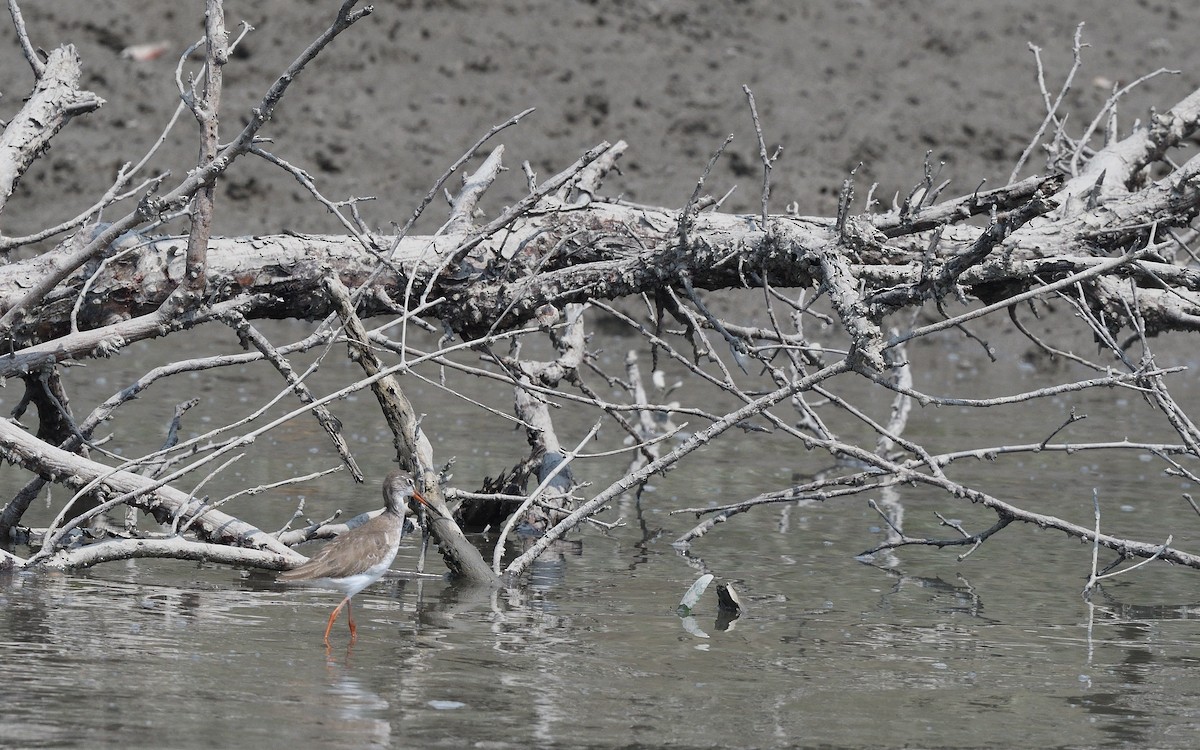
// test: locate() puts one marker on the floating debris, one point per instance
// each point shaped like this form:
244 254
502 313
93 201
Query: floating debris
693 594
727 599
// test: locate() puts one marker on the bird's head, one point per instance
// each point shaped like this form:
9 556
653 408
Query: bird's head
398 489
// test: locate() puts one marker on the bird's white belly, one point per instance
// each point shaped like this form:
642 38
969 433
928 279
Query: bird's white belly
352 584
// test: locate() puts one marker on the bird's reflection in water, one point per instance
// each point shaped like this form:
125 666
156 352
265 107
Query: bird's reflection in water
359 714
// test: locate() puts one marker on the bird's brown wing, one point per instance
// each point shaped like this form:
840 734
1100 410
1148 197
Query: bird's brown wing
344 555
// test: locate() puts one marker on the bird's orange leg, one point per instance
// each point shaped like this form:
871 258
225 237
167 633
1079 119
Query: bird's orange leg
350 614
333 617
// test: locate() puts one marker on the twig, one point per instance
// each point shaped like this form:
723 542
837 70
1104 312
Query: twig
767 161
332 424
1071 419
1104 110
1051 108
31 56
463 210
1094 578
687 215
265 488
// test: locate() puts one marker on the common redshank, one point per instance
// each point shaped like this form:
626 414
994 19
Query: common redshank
357 558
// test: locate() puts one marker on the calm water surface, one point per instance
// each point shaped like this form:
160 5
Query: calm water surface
998 650
163 655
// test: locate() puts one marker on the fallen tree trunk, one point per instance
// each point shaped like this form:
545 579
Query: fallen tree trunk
559 255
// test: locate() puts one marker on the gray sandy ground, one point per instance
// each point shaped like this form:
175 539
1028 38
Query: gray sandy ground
401 95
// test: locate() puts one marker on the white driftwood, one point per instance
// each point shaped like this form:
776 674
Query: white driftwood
56 98
20 447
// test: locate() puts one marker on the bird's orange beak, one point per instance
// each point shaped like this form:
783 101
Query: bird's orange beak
420 498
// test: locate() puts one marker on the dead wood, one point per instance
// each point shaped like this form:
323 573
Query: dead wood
1104 232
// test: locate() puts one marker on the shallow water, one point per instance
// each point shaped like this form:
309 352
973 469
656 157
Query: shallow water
920 650
151 654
